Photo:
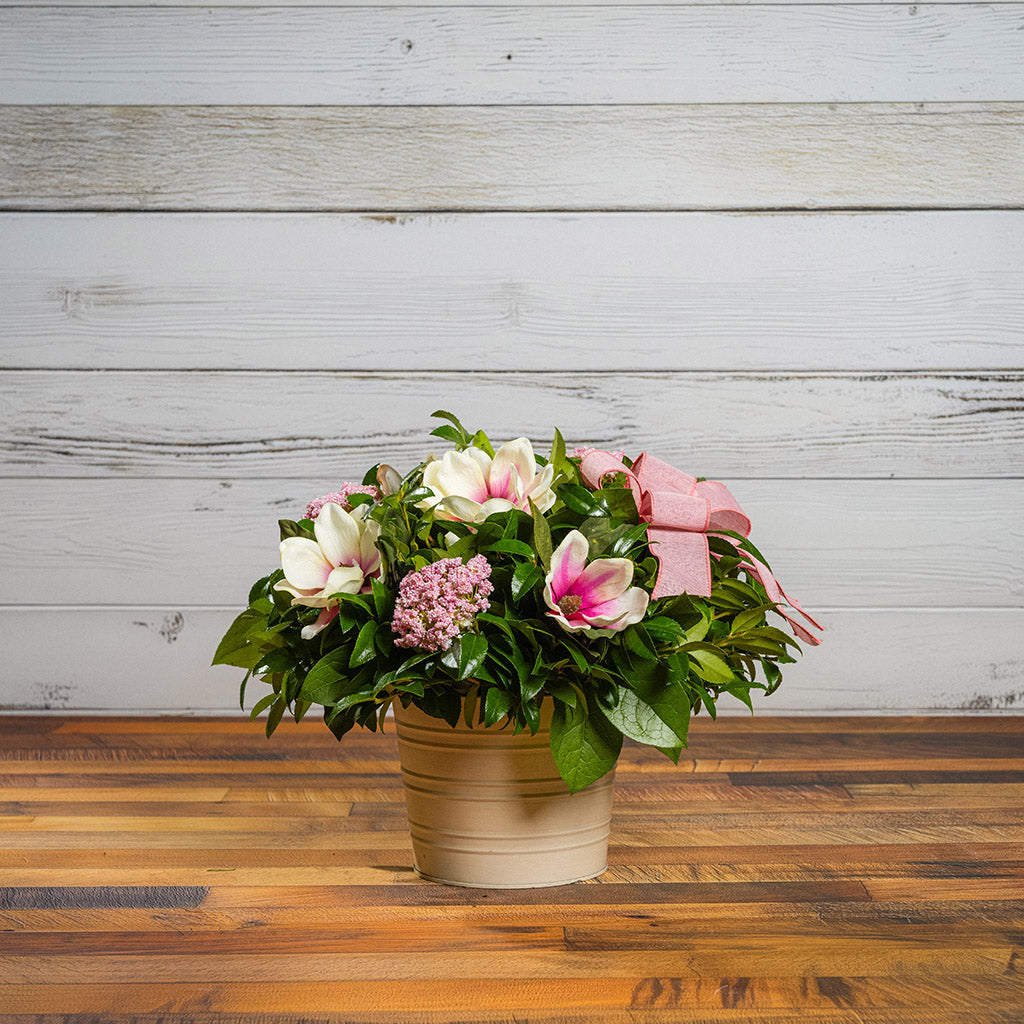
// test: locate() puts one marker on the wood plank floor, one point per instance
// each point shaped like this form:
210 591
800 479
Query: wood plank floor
836 871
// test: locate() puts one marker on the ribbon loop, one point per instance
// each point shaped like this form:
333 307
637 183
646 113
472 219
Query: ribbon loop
680 513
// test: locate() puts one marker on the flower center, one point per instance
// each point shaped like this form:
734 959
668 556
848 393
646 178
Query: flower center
570 604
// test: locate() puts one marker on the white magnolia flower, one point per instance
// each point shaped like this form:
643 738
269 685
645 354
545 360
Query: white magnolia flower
338 561
470 485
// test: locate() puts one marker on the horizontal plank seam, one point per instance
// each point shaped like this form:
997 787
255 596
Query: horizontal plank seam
811 210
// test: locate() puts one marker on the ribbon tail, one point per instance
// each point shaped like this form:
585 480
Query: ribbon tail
684 562
775 593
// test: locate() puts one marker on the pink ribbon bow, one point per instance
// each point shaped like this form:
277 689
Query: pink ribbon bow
681 512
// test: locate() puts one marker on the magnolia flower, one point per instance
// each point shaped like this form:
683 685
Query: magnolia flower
596 596
338 561
472 485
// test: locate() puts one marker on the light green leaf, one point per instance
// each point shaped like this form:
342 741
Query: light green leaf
637 720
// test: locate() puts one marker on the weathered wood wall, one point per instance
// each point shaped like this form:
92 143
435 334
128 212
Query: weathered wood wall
245 251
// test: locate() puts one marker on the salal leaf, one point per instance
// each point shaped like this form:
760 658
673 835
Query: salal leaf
541 536
473 650
235 647
497 704
711 666
584 746
639 721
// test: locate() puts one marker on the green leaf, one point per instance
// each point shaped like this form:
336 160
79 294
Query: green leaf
750 618
383 599
235 648
541 536
448 434
511 547
469 706
274 717
483 442
261 705
524 577
669 700
584 747
497 704
290 528
598 531
443 414
712 667
617 502
580 500
472 651
364 648
661 627
637 720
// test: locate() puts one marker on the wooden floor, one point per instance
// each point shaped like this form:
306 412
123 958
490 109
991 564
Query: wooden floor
834 871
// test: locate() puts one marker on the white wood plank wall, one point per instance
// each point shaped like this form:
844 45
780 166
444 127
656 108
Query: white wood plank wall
245 250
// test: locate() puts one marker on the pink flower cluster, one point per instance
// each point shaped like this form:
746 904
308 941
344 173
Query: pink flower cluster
340 497
438 602
582 453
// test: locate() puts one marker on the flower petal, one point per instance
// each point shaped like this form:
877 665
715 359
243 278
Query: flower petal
492 505
369 556
603 580
567 562
512 455
337 533
347 579
539 490
457 473
462 509
303 562
622 612
324 619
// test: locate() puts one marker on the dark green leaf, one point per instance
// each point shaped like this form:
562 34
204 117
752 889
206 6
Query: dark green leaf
584 747
541 536
364 649
524 577
473 650
497 704
511 547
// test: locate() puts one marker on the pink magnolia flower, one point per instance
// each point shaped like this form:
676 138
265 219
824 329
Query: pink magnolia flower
596 596
338 561
437 603
470 485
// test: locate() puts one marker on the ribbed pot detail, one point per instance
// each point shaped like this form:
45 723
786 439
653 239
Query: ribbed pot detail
488 809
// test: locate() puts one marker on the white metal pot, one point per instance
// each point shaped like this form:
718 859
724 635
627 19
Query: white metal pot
488 809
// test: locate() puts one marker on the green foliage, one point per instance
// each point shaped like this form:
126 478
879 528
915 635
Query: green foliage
643 682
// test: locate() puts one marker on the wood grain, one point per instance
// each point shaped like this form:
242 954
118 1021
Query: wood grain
171 424
489 292
122 921
511 158
478 55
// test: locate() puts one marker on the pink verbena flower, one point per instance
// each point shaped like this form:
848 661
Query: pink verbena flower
340 497
437 603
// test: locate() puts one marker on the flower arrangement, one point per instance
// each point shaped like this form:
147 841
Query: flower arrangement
486 581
